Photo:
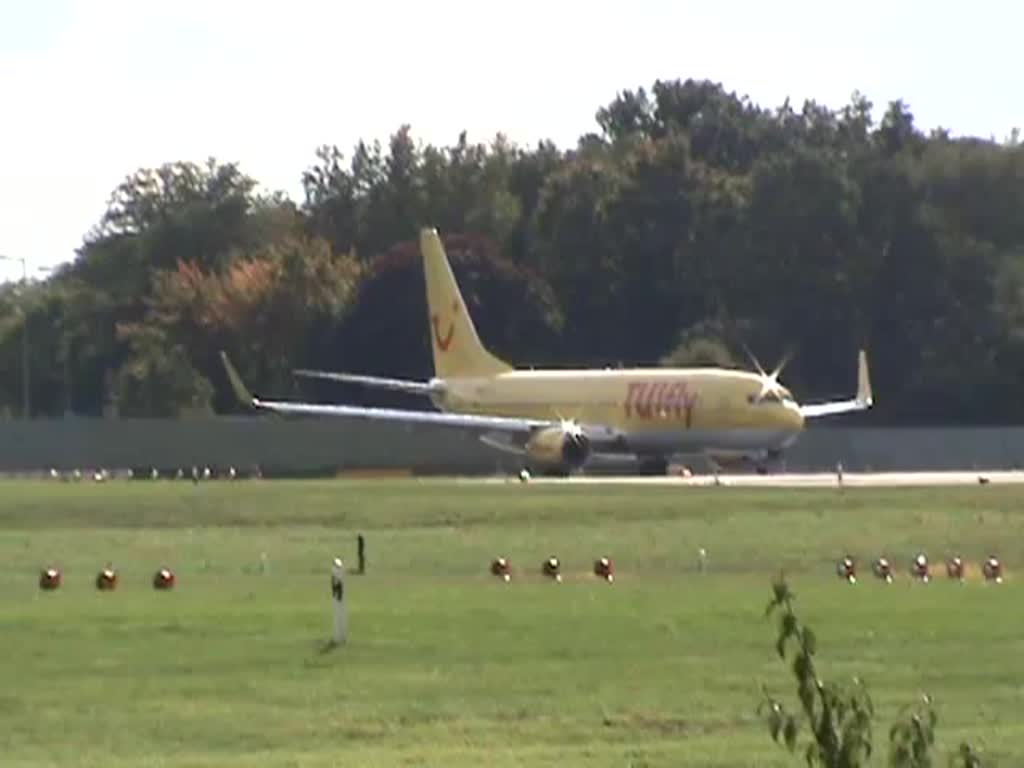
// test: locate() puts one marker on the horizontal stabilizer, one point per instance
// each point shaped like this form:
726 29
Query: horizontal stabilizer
379 382
472 421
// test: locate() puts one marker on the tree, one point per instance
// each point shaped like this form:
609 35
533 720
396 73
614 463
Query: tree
572 249
181 208
331 199
702 344
156 217
629 114
265 308
687 205
513 310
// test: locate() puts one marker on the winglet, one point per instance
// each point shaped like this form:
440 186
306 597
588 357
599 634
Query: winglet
863 381
241 392
862 401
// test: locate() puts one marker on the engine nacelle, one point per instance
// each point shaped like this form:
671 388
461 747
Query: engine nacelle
562 448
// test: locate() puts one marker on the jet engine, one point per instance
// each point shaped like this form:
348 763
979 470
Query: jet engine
560 449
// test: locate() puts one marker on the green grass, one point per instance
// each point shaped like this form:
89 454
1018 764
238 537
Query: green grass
446 665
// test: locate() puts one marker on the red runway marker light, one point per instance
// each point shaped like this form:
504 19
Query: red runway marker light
919 568
501 568
955 568
106 579
605 568
50 579
163 579
552 568
993 570
846 569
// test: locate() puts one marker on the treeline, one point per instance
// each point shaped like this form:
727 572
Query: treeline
690 224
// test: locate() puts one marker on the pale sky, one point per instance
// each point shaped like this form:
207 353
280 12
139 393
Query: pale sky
92 91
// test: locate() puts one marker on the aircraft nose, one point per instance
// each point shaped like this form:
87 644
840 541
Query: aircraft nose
792 418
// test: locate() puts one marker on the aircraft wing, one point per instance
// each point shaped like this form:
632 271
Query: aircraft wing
492 423
499 423
398 385
861 402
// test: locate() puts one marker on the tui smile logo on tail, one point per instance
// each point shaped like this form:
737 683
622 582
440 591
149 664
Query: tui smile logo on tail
444 341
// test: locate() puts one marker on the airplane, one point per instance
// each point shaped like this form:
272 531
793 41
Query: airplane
560 421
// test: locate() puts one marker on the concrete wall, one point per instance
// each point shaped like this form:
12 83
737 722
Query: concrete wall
906 449
275 445
319 445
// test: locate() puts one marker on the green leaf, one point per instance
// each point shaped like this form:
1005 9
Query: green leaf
810 641
812 753
781 592
790 733
789 625
780 646
802 667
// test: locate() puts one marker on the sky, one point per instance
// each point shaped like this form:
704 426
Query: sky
91 91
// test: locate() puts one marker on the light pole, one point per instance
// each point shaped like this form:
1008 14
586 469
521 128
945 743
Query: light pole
24 336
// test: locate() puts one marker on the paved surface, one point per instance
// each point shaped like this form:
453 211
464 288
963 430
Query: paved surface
823 480
781 480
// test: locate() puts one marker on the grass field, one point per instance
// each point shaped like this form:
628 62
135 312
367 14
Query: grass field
446 665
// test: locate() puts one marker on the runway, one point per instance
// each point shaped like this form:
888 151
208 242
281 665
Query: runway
791 480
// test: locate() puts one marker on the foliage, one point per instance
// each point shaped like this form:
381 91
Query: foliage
269 300
808 227
511 305
839 717
704 343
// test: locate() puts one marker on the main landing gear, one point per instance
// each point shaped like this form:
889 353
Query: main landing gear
654 466
766 463
542 471
775 461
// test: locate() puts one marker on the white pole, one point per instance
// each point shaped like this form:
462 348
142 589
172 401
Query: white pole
338 597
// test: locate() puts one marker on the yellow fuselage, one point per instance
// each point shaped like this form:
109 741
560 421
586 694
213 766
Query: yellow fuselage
644 410
657 409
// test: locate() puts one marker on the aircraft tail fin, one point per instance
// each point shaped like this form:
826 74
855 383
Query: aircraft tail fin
457 349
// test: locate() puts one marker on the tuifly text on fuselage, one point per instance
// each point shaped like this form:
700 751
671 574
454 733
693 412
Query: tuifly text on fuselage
661 400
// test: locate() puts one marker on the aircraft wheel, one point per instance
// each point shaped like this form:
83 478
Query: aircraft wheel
563 473
548 471
656 466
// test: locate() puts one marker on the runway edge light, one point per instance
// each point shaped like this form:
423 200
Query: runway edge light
955 568
883 569
846 569
106 579
552 568
500 567
164 579
993 569
50 579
